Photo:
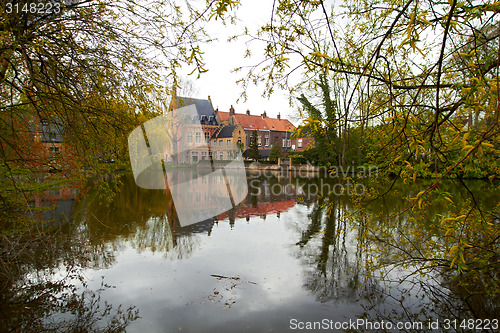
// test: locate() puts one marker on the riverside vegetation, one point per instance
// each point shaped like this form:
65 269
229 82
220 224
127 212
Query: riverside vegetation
411 87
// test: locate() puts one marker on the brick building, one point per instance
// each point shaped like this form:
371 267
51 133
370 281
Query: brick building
269 130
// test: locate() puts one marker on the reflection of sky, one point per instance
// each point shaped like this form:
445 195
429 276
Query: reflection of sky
171 293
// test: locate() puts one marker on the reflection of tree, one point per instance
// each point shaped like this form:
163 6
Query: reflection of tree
333 270
144 217
39 285
444 251
58 306
352 251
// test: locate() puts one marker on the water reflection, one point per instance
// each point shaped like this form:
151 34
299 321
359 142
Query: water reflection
282 253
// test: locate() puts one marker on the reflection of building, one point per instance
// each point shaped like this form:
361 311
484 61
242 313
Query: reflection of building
262 209
62 201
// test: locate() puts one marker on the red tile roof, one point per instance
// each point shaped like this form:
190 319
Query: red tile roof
279 124
223 115
251 122
263 208
258 123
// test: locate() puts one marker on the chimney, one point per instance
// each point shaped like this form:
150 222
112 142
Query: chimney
264 115
248 112
279 116
231 111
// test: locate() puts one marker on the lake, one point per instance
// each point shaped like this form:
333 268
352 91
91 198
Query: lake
287 258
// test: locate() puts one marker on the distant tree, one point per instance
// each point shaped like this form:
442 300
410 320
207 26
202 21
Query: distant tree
253 149
276 152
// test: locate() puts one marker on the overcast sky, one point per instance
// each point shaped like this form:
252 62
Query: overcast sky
221 57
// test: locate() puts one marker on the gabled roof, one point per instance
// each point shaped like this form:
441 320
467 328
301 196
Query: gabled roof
275 124
251 122
223 115
224 132
204 108
51 131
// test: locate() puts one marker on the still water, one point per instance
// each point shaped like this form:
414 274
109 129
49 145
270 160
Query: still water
281 260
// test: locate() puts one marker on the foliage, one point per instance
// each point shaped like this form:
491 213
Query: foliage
276 152
94 69
297 157
417 84
253 148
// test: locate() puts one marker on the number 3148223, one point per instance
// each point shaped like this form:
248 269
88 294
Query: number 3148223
33 8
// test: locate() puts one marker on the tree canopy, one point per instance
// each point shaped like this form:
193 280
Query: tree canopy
415 86
93 68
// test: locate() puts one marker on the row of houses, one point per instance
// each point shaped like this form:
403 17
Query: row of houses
214 134
224 133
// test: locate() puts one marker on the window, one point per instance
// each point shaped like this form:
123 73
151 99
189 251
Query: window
229 143
203 155
187 157
259 141
194 156
190 137
267 141
220 143
198 196
198 137
54 151
288 143
283 142
207 137
228 155
221 155
299 143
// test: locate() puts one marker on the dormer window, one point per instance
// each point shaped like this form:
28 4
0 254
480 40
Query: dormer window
202 117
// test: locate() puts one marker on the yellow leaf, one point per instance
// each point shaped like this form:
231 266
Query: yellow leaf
447 219
486 144
453 262
449 199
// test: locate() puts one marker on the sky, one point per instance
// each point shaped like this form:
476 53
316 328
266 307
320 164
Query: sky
221 57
